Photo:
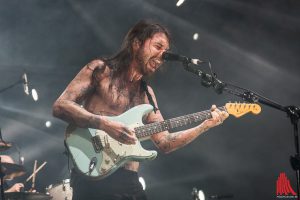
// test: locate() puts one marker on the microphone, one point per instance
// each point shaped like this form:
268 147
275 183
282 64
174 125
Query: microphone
168 56
25 84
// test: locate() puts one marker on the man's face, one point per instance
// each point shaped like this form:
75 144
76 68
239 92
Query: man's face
149 55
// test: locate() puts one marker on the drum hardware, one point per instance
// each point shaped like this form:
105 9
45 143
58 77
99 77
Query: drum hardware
4 145
9 171
12 171
26 196
21 158
61 191
1 180
31 194
6 169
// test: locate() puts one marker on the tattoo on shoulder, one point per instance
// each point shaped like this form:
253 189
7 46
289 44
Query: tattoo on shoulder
86 89
69 95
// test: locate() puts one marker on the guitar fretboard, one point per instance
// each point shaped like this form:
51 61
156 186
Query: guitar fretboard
156 127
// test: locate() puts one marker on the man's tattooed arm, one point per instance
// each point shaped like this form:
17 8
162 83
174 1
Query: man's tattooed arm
168 142
67 107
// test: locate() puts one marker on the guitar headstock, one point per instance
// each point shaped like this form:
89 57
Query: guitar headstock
240 109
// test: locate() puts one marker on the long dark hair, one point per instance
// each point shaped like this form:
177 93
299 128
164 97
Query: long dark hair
143 30
120 62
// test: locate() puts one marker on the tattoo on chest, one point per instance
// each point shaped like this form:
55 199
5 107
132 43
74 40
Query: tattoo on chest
124 97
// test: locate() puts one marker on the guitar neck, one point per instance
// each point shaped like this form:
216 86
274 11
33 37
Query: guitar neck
156 127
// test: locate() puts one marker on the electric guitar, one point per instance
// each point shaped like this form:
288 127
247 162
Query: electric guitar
97 155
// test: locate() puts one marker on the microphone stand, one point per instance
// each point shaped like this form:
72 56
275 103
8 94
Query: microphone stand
20 81
207 80
293 112
11 86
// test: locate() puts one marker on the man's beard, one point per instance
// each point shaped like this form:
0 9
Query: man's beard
140 58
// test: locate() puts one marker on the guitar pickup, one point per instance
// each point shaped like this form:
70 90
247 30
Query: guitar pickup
96 141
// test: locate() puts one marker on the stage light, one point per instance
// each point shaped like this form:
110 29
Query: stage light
179 3
195 36
48 124
21 160
34 94
197 194
201 195
142 181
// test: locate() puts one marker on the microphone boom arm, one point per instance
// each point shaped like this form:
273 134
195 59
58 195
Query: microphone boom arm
207 80
293 112
19 81
11 86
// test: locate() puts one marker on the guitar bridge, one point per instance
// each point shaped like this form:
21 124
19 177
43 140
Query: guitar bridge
96 141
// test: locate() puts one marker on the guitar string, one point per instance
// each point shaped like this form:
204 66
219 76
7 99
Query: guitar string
156 127
149 129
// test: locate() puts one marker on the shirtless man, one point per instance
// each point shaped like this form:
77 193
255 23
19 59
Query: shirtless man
111 86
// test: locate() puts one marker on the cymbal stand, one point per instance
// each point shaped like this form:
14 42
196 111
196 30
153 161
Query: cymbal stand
2 181
1 172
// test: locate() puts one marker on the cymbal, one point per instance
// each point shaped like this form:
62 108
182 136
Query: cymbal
4 145
26 196
11 170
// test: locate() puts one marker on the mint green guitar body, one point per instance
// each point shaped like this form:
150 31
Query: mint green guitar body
97 155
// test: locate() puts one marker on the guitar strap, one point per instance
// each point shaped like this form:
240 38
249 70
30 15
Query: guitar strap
150 99
67 153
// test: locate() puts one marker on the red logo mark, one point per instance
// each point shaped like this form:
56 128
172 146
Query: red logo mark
283 185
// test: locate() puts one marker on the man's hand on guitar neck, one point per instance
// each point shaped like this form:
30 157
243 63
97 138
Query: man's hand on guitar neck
217 117
118 131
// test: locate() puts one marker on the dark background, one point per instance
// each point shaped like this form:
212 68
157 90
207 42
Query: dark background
253 44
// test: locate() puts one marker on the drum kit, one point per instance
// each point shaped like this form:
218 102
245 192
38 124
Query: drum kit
9 171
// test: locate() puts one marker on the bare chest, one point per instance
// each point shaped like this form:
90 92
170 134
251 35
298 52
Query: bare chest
114 98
